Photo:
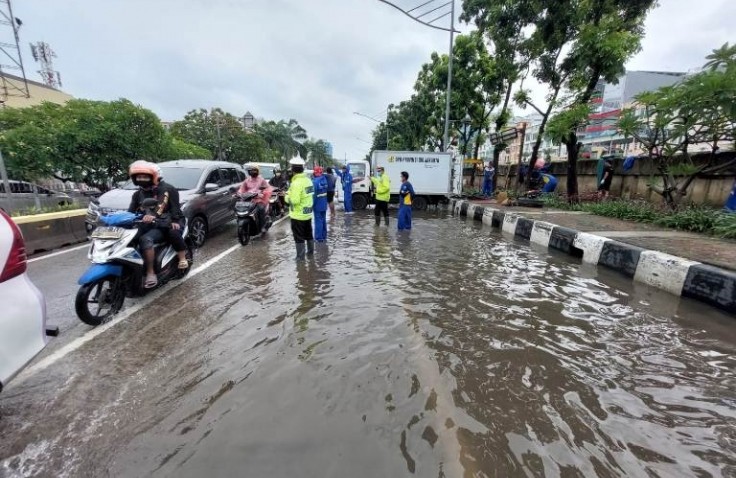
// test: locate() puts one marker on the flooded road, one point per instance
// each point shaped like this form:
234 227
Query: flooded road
447 352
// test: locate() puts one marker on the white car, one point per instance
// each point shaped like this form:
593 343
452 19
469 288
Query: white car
23 331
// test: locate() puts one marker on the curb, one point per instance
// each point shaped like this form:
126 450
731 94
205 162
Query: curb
676 275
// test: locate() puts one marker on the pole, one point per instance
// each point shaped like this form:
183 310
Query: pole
6 183
521 154
446 137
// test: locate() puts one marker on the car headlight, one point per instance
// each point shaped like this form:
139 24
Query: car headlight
93 207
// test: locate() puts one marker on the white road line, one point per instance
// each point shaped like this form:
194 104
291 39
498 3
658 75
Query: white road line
124 315
54 254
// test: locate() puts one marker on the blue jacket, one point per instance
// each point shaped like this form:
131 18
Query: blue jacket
406 193
320 193
347 181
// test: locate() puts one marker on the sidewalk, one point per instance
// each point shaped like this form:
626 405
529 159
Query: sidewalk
693 246
685 264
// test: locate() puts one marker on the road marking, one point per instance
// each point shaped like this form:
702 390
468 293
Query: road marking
124 315
54 254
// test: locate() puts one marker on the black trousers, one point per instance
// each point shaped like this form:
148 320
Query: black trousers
147 237
381 208
302 230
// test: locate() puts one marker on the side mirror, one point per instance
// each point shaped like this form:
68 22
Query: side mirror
211 187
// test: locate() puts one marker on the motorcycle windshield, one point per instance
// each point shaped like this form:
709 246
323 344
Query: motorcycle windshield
119 219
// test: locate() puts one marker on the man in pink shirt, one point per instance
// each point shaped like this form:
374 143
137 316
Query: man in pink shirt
255 183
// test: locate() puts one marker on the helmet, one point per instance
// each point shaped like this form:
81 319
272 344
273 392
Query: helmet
318 171
297 161
144 167
251 167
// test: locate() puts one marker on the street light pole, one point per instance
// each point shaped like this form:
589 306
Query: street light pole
415 15
446 136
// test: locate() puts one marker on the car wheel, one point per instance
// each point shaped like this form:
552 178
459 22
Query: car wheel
198 231
419 203
359 202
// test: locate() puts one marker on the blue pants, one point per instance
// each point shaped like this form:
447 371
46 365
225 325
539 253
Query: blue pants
320 226
487 187
404 217
348 201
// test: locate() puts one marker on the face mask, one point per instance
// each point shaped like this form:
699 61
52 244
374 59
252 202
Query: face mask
253 175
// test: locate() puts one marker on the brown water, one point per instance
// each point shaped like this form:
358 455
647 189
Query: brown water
449 351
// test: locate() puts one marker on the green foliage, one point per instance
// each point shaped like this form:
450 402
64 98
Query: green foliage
317 152
694 219
698 110
82 141
725 226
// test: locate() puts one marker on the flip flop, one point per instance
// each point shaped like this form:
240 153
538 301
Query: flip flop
151 281
183 264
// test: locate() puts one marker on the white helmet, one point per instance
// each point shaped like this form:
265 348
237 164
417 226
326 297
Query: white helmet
297 161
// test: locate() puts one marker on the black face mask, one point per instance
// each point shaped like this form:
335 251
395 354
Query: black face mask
253 174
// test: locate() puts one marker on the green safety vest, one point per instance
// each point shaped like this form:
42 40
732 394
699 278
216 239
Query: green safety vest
300 197
383 187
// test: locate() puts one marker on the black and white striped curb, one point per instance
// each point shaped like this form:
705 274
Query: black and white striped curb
679 276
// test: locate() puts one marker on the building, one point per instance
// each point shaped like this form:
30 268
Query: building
600 136
11 87
329 149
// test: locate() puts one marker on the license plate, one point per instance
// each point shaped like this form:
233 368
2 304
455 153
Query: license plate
108 233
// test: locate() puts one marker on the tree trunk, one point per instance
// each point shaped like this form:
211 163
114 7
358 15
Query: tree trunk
573 150
496 156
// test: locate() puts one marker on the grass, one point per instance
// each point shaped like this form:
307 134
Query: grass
690 218
32 211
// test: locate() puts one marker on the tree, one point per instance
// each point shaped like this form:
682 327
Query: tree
82 141
698 110
317 152
284 138
567 45
214 130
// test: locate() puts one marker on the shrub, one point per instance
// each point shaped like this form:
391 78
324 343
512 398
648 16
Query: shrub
725 225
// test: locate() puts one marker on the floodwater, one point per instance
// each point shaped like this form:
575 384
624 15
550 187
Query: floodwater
450 351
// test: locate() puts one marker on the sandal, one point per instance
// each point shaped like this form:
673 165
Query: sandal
183 264
151 281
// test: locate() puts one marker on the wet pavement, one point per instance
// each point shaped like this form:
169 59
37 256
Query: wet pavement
448 351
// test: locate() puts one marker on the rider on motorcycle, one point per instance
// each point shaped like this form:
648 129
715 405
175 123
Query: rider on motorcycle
146 176
256 184
278 180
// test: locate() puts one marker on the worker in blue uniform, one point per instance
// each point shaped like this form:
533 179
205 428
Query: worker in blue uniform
320 204
406 195
347 189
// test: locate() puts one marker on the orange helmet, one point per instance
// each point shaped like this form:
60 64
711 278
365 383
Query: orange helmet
143 167
318 171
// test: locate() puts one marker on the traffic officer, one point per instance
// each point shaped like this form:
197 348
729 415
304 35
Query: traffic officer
300 199
320 204
382 184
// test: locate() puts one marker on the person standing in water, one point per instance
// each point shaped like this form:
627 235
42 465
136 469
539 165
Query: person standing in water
320 205
406 195
300 199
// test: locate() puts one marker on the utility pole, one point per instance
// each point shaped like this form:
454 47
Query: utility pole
416 14
446 136
6 183
521 155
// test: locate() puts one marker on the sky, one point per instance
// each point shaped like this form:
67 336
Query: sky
317 61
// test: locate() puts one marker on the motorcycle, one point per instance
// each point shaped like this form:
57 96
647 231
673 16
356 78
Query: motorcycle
247 217
118 269
276 204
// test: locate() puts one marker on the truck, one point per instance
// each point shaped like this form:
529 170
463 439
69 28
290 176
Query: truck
435 176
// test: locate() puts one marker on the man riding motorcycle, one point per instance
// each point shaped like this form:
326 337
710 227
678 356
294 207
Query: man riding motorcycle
168 217
256 184
278 180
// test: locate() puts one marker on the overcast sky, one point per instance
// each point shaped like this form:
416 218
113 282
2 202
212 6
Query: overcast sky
317 61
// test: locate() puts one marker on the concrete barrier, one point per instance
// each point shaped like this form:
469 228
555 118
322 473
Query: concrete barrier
45 232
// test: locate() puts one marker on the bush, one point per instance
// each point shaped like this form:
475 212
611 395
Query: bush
694 218
725 225
31 211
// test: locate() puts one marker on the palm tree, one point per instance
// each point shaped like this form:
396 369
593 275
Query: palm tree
721 57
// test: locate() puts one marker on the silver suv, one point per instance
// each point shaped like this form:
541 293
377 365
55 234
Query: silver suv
204 192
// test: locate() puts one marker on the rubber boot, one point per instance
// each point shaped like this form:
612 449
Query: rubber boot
310 248
386 221
300 250
378 221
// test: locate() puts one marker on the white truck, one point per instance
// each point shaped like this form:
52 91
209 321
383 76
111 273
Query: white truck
434 176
